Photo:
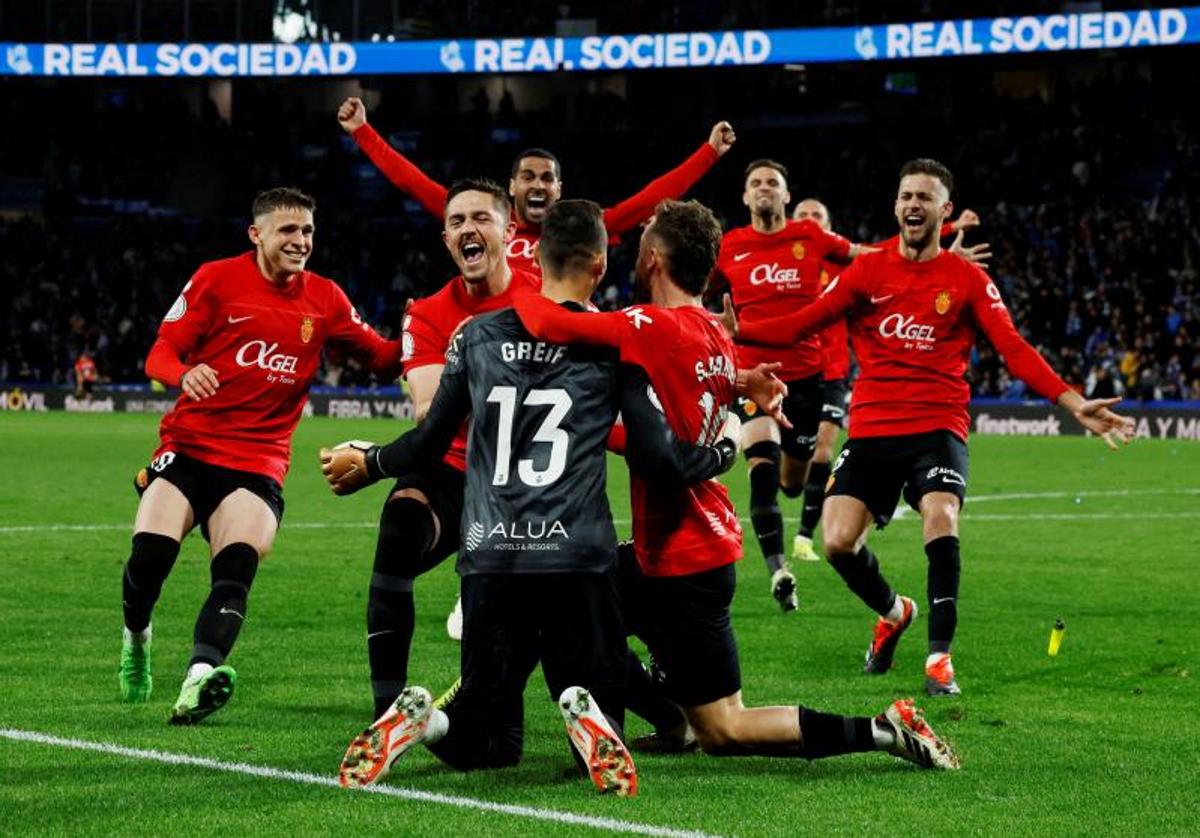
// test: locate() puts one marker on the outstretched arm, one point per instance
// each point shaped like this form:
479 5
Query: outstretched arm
547 320
788 329
1027 364
638 207
402 172
652 449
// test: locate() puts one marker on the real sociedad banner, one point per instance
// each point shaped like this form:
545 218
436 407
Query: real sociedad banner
985 36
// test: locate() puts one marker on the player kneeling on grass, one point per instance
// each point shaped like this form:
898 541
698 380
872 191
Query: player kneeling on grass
538 544
678 586
243 341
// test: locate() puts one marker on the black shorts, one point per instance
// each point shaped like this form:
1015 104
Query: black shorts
444 486
833 401
205 485
876 469
802 407
684 622
571 622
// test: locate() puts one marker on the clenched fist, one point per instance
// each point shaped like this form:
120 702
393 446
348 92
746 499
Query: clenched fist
350 466
352 115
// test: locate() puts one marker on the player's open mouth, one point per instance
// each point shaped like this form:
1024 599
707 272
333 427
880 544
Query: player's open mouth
473 253
913 221
298 257
536 200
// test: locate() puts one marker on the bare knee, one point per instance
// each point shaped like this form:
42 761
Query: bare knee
718 739
841 537
939 515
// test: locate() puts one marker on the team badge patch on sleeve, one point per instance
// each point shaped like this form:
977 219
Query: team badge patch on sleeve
177 310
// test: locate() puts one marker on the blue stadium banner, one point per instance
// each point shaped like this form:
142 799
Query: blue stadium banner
929 39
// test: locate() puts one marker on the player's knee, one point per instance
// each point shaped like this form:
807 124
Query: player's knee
839 539
717 738
407 530
236 564
940 516
764 473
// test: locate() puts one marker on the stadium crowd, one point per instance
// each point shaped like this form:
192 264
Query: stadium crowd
1086 183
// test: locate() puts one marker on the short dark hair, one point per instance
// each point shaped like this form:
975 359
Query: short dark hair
572 232
691 236
479 184
765 163
281 197
537 152
929 166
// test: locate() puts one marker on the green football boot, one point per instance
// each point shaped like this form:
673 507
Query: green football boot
203 695
134 672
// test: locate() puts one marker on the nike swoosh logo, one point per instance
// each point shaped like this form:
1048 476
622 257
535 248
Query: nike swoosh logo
225 610
740 257
937 600
378 633
233 319
877 300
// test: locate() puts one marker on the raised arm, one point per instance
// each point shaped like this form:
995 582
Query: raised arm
402 172
638 207
652 449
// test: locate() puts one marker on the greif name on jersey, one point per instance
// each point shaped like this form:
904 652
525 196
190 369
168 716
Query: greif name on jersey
717 366
536 351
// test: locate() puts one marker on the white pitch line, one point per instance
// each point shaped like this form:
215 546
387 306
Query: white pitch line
902 512
1080 516
608 824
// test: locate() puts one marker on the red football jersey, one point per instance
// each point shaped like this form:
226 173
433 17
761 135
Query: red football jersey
522 251
778 273
690 362
912 326
432 320
835 338
265 344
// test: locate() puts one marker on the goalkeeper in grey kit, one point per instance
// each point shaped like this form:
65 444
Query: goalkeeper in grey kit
538 543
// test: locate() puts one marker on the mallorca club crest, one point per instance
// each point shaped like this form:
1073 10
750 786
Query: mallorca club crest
306 329
798 250
942 303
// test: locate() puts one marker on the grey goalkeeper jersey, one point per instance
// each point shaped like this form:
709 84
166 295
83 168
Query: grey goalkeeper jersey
536 499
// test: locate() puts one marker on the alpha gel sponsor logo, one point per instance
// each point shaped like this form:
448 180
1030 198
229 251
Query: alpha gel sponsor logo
257 353
521 248
516 535
774 275
904 327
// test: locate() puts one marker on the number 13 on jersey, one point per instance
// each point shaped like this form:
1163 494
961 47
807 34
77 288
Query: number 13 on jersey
559 402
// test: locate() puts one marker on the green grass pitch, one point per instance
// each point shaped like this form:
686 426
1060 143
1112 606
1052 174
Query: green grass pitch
1102 739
